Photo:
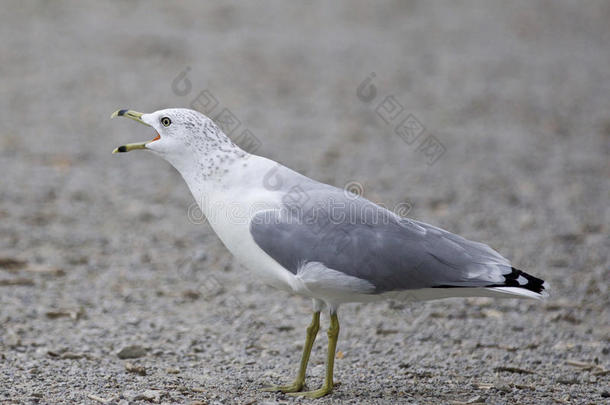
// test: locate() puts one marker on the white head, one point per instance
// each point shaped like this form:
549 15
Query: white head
186 139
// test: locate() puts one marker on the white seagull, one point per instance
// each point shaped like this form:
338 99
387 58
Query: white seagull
317 240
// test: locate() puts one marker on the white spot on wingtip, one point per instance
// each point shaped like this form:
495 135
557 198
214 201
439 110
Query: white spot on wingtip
521 280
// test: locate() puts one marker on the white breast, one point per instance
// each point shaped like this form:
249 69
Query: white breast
229 207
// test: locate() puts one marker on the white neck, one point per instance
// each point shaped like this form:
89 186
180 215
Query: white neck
208 172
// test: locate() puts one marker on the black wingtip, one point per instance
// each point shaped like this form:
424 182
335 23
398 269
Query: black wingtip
518 278
120 114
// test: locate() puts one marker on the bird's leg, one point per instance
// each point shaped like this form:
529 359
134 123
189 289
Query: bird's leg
299 382
327 387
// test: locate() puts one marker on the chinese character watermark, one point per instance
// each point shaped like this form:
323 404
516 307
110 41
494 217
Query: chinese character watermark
206 103
405 125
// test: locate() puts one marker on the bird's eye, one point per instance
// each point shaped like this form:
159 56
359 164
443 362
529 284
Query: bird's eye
166 122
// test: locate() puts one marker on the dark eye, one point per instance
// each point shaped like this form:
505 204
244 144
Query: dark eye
166 122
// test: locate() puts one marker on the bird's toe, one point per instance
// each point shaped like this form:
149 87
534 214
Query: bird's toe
319 393
292 388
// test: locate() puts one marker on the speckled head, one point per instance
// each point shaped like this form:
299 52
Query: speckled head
184 138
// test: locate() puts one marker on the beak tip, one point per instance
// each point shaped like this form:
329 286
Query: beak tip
120 149
118 113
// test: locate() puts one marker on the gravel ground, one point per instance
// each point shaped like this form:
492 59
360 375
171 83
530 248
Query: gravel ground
113 290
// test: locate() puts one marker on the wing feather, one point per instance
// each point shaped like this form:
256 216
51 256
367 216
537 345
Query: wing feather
363 240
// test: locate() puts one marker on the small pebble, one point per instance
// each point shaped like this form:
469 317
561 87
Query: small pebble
131 352
132 368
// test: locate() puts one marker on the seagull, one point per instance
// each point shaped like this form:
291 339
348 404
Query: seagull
319 241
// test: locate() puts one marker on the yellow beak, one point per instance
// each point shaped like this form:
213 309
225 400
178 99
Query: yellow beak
136 116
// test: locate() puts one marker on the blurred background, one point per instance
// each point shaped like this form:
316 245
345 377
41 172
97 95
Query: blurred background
489 120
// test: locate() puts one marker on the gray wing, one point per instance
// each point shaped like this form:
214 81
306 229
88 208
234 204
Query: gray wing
322 224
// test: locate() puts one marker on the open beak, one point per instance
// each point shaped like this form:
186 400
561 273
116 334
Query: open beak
136 116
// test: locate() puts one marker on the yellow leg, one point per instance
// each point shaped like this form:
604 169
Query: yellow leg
299 382
327 387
